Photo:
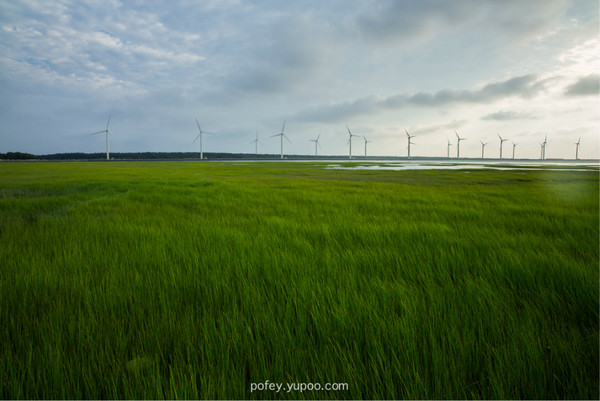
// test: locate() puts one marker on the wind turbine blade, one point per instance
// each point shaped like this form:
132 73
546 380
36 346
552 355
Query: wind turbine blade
285 136
198 124
457 135
318 137
276 135
349 132
110 132
196 138
99 132
108 122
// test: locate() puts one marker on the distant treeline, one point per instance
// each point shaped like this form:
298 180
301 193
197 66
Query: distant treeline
165 156
137 156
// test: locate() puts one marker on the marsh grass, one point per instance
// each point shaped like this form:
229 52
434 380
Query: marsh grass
193 280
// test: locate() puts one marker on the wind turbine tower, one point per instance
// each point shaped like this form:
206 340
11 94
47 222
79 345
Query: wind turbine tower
350 141
282 135
200 136
409 137
482 148
501 142
458 144
542 151
544 147
256 142
316 141
365 138
106 131
449 144
514 146
577 149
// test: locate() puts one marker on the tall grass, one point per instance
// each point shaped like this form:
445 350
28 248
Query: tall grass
194 280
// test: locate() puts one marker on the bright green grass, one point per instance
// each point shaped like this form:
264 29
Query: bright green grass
194 280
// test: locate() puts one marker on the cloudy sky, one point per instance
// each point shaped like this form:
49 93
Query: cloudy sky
523 69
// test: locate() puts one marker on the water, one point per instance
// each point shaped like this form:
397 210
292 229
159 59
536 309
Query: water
499 165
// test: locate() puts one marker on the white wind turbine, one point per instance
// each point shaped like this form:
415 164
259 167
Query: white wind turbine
365 138
256 142
409 137
577 149
200 136
542 151
544 147
316 141
501 142
282 135
514 146
482 147
458 144
449 144
106 131
350 141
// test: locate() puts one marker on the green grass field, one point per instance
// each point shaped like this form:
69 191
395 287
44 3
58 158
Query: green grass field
196 280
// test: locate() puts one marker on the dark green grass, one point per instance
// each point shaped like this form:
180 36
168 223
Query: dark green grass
194 280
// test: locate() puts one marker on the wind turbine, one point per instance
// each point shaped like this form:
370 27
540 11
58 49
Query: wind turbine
409 137
482 148
316 141
256 142
501 142
282 135
365 138
514 146
449 144
544 147
458 144
106 131
542 151
350 141
200 136
577 149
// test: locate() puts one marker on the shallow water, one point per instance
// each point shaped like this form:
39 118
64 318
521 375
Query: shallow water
470 166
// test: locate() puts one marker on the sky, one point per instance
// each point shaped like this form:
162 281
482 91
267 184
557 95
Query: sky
524 70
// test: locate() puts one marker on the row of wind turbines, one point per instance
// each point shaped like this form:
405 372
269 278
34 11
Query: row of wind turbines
409 137
502 140
316 141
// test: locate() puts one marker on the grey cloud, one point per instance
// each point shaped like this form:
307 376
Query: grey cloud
288 54
586 86
525 87
338 112
509 115
451 126
409 21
